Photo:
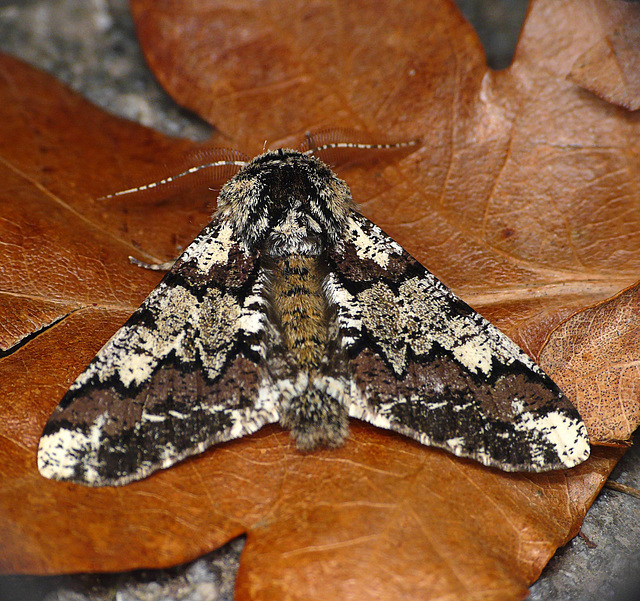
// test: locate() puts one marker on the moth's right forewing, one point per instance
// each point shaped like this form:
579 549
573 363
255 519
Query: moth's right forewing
184 372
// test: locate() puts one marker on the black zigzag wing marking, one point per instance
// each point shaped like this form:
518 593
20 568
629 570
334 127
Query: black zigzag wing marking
424 364
184 372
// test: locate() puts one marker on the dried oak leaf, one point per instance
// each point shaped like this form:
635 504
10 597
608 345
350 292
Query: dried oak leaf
594 358
610 67
520 198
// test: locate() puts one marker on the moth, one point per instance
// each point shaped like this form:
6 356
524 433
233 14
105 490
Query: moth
292 307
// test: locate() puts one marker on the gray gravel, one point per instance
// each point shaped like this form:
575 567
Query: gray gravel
610 570
91 46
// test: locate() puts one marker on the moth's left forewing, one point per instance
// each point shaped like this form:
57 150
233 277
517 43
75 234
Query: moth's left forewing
421 362
184 372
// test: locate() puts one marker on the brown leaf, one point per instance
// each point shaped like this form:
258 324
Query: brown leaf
522 198
610 68
63 246
394 523
593 357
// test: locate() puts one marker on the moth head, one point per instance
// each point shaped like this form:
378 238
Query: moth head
286 202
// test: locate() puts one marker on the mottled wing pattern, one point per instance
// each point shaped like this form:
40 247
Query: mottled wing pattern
184 372
421 362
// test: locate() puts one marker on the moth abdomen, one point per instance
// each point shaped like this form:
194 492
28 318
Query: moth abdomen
313 411
301 308
316 418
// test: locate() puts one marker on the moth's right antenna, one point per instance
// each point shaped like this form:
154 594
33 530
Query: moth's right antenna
211 166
